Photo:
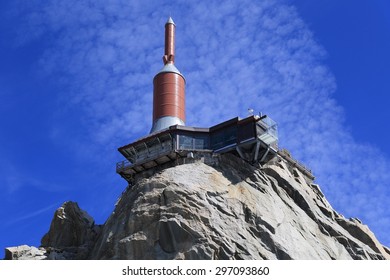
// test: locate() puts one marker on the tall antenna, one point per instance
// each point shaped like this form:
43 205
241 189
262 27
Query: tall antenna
169 54
168 87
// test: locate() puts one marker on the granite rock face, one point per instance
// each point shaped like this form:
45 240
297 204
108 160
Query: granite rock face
72 233
231 211
225 210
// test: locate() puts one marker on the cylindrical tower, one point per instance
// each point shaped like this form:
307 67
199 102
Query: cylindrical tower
168 87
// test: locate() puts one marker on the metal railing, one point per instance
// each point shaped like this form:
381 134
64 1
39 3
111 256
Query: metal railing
122 165
301 167
150 153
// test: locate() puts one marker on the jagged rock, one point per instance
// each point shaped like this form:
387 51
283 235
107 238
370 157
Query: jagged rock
70 227
71 235
226 210
25 252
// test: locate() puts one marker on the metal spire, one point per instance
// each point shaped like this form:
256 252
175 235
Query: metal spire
170 20
169 54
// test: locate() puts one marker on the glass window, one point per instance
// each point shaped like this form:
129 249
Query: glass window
246 131
224 137
201 142
185 142
193 142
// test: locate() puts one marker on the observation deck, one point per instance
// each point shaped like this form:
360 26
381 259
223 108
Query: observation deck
254 139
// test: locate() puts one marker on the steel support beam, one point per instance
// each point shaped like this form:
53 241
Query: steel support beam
265 154
257 148
238 149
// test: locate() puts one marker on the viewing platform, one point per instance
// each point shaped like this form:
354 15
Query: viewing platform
254 139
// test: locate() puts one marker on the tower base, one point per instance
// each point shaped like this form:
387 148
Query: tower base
165 122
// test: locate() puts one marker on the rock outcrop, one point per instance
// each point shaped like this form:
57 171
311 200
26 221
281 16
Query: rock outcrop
228 209
25 252
71 235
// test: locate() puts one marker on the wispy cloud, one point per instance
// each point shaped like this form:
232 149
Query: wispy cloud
14 179
235 55
32 214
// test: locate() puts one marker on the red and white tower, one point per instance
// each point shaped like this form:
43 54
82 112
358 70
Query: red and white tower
168 87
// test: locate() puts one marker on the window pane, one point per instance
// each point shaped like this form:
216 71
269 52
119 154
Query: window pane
185 142
201 142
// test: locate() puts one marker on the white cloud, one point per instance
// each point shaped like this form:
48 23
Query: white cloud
235 55
14 178
32 214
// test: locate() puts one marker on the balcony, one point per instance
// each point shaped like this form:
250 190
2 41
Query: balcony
270 135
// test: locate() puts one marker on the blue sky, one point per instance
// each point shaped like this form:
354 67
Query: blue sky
76 83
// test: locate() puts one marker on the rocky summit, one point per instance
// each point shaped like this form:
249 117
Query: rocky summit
212 208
